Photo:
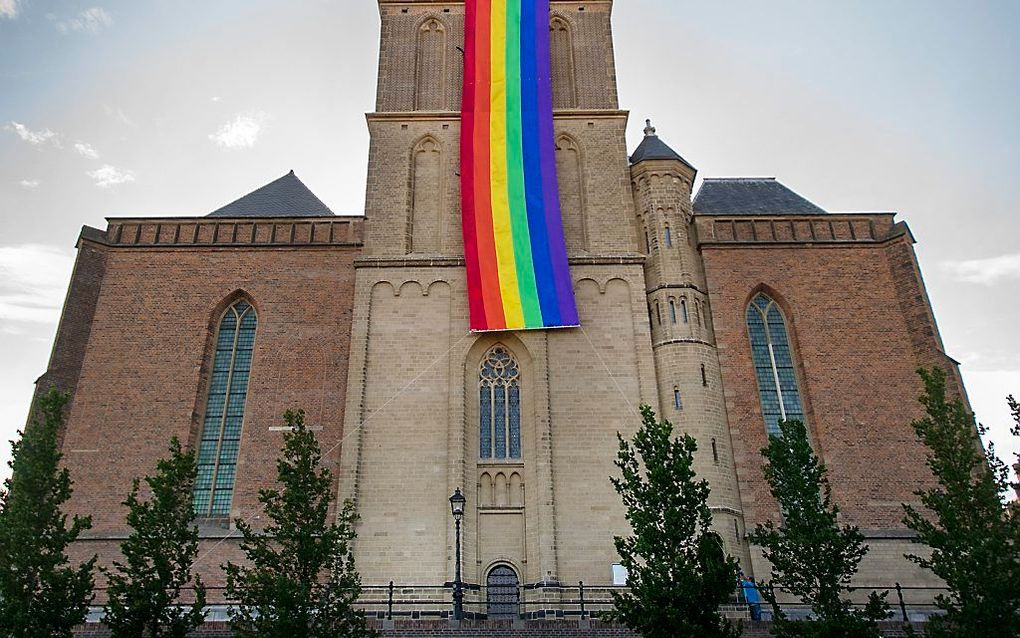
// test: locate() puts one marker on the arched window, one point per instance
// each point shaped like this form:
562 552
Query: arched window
224 411
426 224
683 310
499 406
570 173
672 310
773 363
561 51
430 67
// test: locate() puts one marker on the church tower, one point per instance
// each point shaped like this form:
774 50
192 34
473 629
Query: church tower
686 361
524 422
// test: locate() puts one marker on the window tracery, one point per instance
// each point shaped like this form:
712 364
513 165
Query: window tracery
499 403
224 413
773 363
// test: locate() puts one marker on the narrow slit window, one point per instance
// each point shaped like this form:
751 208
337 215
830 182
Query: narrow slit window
704 376
683 309
715 452
672 311
658 313
669 237
224 412
677 399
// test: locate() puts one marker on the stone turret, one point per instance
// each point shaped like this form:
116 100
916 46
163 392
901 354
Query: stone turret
683 342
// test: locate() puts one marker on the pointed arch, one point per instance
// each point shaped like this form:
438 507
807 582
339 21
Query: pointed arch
570 174
430 66
425 218
499 405
561 48
772 354
223 418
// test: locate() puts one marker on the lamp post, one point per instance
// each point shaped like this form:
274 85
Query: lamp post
457 502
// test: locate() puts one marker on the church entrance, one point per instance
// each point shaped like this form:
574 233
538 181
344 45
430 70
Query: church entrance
502 594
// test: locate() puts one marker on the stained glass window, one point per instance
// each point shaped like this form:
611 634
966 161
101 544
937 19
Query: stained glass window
499 406
224 411
773 363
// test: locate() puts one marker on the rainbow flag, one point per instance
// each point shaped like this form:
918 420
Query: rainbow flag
518 277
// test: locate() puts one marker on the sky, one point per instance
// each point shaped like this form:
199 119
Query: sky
176 107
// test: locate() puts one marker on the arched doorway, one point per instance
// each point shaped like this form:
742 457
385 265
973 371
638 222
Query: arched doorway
502 593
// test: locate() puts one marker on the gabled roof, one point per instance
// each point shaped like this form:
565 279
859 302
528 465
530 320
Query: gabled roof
653 148
750 196
285 197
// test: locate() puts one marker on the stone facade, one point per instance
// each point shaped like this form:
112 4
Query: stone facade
364 324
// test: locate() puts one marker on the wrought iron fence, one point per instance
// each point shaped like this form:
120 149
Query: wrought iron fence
582 601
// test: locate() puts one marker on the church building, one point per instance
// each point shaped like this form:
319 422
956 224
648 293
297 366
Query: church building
725 309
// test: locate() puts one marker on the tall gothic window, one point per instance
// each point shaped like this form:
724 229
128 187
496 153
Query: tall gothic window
773 363
499 406
561 47
430 67
224 411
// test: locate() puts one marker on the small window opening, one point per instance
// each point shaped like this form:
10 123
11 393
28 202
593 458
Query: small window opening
669 237
715 452
658 313
683 309
704 377
736 530
677 401
672 311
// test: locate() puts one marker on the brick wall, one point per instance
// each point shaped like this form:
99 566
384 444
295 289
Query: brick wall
146 364
854 316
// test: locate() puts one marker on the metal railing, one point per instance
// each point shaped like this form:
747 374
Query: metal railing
537 601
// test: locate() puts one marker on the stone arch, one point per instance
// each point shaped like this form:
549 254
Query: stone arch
564 76
425 218
570 174
485 493
430 65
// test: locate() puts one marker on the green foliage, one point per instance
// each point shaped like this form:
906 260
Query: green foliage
678 573
975 544
41 595
302 579
145 590
814 558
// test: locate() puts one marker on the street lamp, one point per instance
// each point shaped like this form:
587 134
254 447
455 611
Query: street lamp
457 502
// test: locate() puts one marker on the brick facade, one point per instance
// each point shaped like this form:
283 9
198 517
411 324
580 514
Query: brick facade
364 323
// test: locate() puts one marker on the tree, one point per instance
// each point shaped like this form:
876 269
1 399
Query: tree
813 557
1014 407
678 573
41 594
975 544
301 580
145 590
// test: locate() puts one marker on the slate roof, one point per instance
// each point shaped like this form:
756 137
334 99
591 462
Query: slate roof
750 196
653 148
284 197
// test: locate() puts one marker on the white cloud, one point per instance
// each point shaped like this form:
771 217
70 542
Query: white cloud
107 176
33 281
9 9
86 150
985 271
34 138
30 184
241 132
91 20
216 98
